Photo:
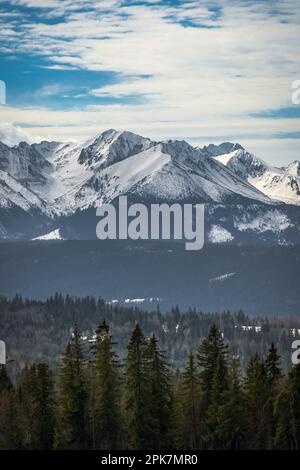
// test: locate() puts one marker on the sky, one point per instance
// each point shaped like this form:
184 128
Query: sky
206 71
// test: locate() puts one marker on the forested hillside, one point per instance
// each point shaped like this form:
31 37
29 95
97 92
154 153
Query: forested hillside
92 400
38 331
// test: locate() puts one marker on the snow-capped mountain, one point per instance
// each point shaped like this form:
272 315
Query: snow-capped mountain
293 168
24 163
123 163
54 187
22 168
280 184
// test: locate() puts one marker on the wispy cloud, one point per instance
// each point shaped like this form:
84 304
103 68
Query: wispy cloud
200 67
12 135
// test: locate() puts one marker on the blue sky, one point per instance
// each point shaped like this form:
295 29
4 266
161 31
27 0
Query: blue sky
205 71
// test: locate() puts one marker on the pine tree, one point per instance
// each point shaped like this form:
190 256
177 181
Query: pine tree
256 394
284 438
219 385
273 372
35 402
188 407
212 355
272 365
45 408
160 396
26 407
137 392
71 429
294 401
231 429
8 433
106 412
208 355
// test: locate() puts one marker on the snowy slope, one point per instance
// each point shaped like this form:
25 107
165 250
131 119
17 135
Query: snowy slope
76 176
168 171
280 184
107 183
13 193
293 168
74 182
62 180
111 147
47 149
24 163
191 174
54 235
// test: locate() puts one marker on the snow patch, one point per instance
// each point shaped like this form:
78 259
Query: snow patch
219 234
257 329
136 300
221 278
274 221
54 235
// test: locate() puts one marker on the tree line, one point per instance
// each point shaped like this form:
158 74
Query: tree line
35 328
94 400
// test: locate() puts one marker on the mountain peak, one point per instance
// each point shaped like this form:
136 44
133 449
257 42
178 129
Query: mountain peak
229 147
224 148
280 184
243 163
181 150
22 145
294 168
47 148
109 133
112 146
4 147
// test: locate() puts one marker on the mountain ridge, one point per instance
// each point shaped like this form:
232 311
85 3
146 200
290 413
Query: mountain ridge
280 184
59 180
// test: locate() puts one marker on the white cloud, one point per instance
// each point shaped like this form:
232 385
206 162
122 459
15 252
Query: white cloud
12 135
151 121
59 67
204 81
52 90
